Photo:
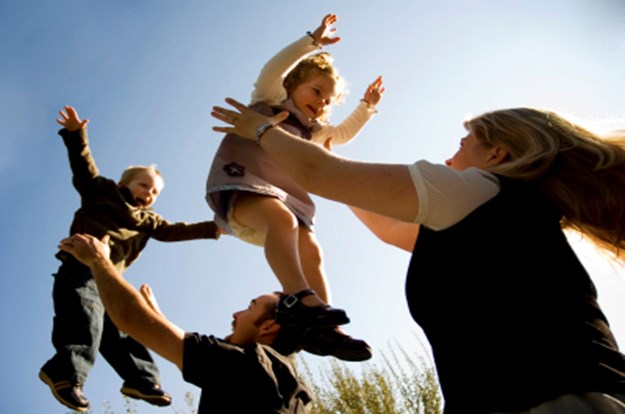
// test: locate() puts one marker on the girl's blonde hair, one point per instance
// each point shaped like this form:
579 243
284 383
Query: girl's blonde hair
581 171
320 63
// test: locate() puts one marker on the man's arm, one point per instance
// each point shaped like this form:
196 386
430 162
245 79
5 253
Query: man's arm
124 304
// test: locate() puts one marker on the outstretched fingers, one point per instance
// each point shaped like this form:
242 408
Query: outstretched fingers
226 115
70 119
374 92
245 121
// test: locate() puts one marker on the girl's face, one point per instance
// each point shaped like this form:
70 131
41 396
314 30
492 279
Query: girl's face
313 97
473 153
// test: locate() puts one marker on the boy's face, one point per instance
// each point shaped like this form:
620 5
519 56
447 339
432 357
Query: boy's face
145 188
314 96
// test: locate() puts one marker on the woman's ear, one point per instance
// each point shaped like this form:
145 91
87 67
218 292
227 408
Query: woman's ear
497 156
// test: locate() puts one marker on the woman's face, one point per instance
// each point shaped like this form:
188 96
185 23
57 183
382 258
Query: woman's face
472 153
314 96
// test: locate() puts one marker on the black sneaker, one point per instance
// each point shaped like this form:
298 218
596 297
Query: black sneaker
67 392
332 341
148 392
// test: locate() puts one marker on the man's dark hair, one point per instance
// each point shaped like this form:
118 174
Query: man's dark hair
289 338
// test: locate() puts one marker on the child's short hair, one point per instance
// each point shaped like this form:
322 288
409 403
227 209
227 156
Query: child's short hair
307 68
132 171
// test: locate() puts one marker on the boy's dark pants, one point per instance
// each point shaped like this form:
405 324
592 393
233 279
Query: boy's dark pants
81 328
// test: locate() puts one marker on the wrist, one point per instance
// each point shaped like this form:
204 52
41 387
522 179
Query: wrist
370 106
315 41
262 130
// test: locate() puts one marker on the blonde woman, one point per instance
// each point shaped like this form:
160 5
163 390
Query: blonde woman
513 319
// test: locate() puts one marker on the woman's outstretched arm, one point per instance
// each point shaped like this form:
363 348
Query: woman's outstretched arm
391 231
385 189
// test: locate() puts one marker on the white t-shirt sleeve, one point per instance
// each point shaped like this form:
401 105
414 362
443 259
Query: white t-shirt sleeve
446 196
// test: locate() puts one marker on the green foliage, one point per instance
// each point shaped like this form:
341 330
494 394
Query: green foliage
400 386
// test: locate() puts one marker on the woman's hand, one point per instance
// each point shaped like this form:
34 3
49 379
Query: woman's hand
245 121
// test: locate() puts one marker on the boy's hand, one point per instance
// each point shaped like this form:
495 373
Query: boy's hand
374 92
70 120
323 33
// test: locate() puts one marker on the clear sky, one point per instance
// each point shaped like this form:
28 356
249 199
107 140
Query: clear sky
146 73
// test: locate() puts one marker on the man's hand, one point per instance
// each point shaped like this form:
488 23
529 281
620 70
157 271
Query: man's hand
70 119
86 248
150 299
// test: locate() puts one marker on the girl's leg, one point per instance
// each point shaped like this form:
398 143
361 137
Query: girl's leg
326 341
271 217
311 259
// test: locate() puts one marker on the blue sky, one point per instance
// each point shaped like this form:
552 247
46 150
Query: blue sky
146 73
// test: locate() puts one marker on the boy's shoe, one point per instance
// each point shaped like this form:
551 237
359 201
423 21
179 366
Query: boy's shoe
291 310
332 341
67 392
148 392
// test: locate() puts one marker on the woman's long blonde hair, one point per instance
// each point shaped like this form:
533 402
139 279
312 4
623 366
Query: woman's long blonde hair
582 172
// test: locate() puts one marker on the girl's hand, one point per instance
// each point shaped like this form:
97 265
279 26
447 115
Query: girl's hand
374 92
245 121
70 120
323 34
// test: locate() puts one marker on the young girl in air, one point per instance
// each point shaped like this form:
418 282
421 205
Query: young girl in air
255 200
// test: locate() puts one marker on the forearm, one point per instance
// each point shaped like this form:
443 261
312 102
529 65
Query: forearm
130 313
181 231
81 160
370 186
389 230
349 128
377 223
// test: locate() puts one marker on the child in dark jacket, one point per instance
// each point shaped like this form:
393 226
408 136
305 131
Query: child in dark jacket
81 327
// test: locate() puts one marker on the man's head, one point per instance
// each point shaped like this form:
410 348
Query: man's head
257 324
144 182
